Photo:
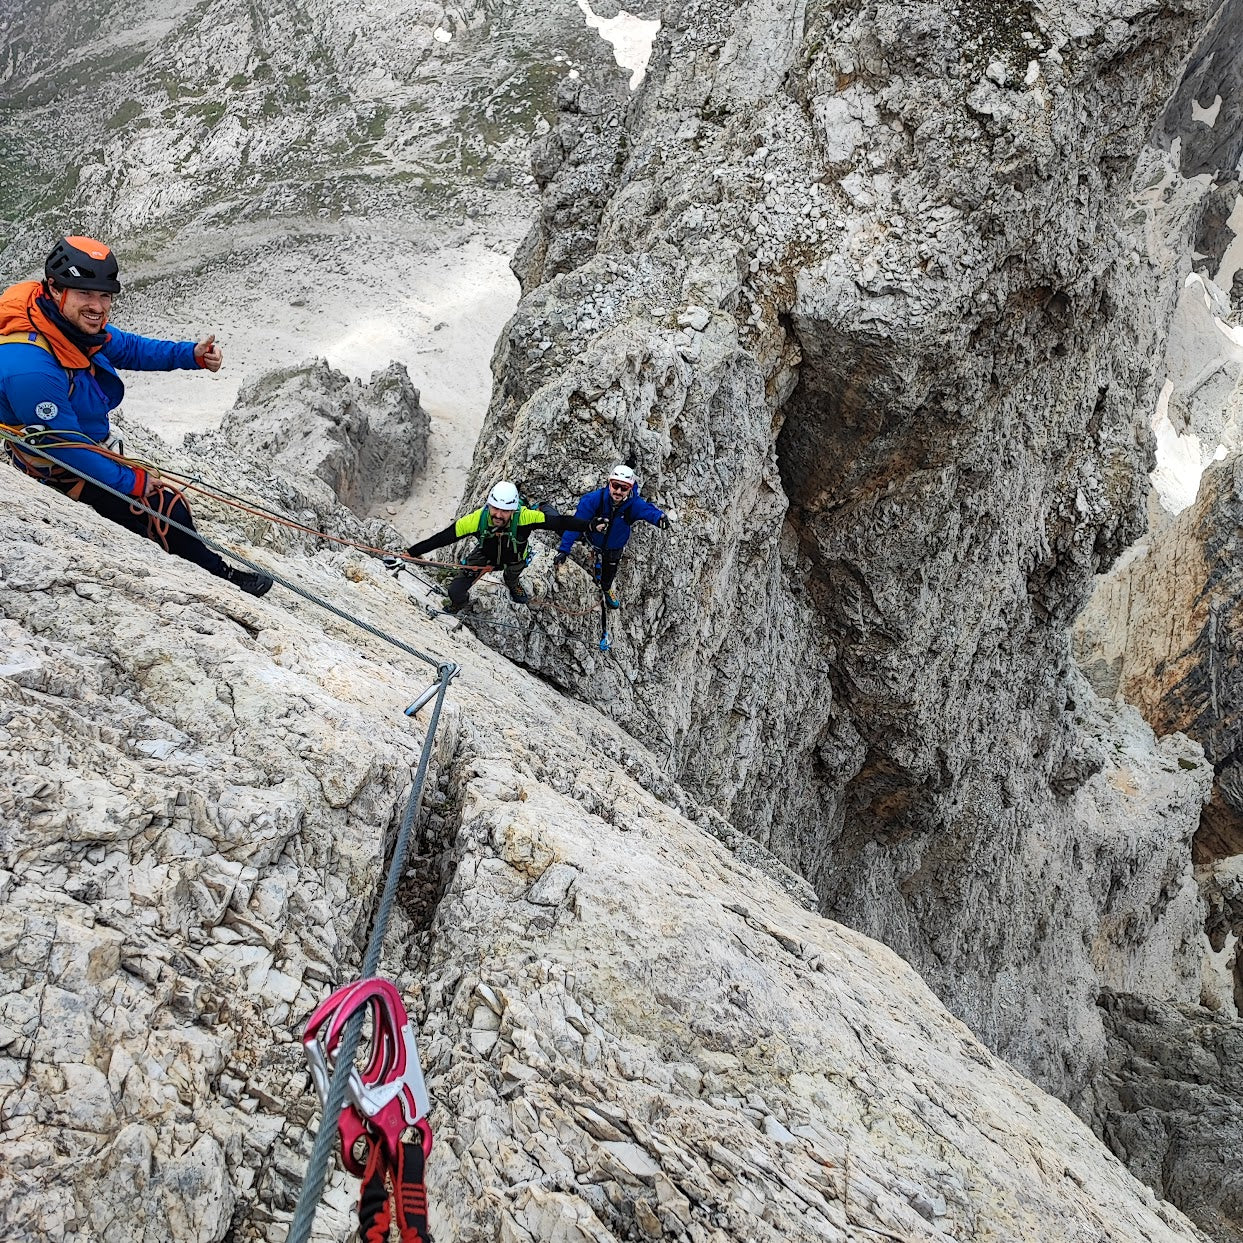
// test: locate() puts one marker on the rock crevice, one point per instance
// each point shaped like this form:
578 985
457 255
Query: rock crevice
874 324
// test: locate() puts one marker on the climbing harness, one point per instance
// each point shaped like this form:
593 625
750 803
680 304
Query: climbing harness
18 441
386 1099
484 528
28 447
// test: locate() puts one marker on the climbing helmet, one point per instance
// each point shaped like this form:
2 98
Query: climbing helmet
83 263
504 495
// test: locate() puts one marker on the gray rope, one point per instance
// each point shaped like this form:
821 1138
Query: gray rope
223 551
317 1165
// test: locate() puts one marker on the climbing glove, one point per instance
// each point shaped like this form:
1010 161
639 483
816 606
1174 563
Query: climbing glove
663 524
559 560
600 525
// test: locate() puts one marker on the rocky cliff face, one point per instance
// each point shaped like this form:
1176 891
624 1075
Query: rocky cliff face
868 310
1202 369
174 115
364 444
628 1031
872 296
1160 633
1169 1105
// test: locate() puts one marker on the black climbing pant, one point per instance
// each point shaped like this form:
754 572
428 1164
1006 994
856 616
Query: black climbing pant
607 562
459 588
173 506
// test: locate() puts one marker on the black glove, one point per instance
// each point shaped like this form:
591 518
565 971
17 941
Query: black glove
599 525
663 524
559 559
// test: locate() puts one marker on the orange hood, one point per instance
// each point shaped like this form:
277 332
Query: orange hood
20 312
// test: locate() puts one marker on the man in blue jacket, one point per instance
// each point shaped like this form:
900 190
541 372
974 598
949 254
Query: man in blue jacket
59 384
620 503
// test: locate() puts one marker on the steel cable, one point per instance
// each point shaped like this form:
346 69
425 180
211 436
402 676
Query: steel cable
317 1164
224 551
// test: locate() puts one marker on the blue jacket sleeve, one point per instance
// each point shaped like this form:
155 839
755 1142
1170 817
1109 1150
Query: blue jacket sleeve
586 510
43 398
134 353
644 511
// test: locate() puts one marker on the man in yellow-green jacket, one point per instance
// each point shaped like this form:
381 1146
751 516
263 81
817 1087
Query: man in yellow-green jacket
503 528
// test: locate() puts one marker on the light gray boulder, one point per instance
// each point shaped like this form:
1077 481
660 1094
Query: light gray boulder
365 443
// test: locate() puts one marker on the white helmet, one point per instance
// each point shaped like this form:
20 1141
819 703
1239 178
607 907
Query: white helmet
622 473
505 496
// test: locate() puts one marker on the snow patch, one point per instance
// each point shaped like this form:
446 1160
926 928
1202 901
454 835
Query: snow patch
1207 115
631 37
1180 464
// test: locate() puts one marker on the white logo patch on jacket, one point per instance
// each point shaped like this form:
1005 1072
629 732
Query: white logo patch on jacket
47 410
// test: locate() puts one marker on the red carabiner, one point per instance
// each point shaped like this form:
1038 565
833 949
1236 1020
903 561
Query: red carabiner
388 1096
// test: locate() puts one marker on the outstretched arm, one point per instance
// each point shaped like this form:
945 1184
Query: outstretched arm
131 352
563 522
586 511
645 511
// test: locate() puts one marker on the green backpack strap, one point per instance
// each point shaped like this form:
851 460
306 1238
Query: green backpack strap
485 520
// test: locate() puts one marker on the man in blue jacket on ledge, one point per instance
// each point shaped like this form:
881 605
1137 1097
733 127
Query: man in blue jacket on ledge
620 503
59 384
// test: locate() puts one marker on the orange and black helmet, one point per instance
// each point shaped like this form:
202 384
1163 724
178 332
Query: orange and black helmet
82 263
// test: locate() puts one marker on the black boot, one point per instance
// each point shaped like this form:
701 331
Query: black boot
252 584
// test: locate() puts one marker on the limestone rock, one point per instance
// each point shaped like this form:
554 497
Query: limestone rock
1213 73
675 1046
898 452
367 443
1161 632
1169 1105
1221 883
1204 367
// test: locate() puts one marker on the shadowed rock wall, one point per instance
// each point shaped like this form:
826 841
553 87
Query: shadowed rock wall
1169 1106
867 311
